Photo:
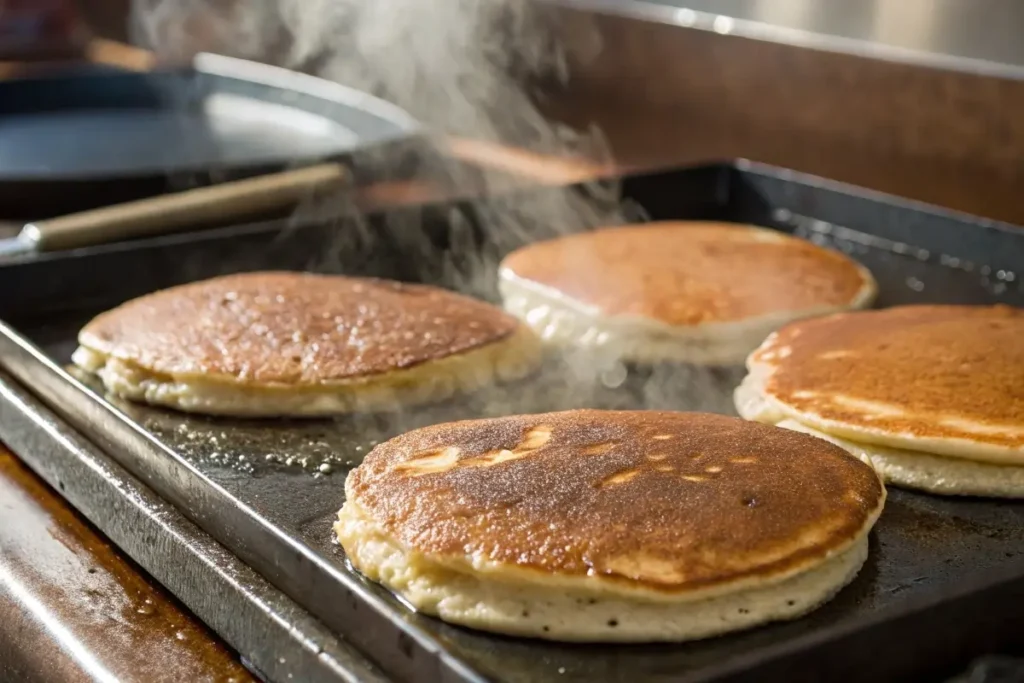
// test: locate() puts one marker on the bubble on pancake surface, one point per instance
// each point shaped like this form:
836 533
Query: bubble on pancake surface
536 438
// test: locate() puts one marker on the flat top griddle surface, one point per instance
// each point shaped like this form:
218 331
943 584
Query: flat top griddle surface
290 475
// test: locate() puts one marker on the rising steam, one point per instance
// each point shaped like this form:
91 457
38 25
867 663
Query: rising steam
466 68
462 67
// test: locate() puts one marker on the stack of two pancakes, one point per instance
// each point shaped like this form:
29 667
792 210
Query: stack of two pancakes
931 396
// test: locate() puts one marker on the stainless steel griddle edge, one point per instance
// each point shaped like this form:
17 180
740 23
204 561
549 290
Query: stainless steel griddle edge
344 603
952 35
279 639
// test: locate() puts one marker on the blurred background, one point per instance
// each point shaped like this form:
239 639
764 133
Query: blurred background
913 97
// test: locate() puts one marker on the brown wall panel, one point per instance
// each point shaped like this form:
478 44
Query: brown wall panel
666 94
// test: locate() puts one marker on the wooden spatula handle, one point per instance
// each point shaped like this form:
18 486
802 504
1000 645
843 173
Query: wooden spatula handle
180 210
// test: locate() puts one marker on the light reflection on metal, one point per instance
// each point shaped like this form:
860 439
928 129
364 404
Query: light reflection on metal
956 35
63 637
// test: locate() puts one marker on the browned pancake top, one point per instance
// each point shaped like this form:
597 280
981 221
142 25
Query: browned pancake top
293 328
672 501
690 273
924 370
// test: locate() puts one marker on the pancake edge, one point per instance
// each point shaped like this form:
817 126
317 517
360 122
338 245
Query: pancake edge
929 473
582 614
619 585
562 320
753 402
508 359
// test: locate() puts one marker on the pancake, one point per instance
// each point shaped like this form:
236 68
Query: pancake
703 293
593 525
294 344
930 395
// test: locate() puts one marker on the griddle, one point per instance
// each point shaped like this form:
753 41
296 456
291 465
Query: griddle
945 578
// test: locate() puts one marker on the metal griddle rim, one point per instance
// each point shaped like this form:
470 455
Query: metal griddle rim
73 402
184 559
158 465
285 79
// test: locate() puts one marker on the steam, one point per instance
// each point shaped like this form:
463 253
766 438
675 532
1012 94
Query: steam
466 68
462 67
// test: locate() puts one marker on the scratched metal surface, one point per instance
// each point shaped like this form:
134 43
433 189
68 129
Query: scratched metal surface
288 476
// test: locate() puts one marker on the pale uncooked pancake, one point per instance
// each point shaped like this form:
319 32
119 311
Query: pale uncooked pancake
930 395
705 293
610 526
296 344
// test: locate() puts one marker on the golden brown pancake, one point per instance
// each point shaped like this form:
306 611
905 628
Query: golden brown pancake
274 343
652 508
662 289
938 381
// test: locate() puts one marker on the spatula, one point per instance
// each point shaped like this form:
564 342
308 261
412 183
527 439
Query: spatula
178 211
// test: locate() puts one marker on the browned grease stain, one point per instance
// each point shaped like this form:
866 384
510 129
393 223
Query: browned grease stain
119 618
